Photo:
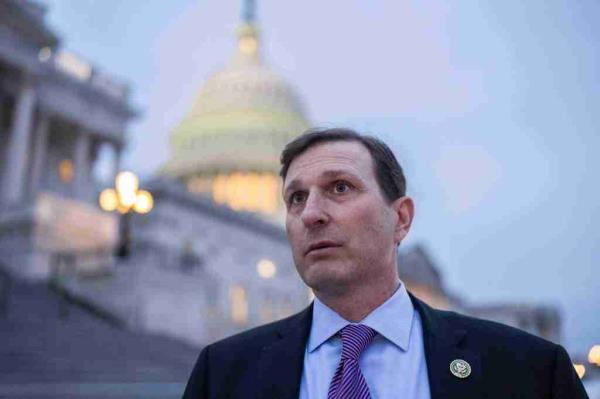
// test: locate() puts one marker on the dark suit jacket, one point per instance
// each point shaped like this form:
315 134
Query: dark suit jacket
506 363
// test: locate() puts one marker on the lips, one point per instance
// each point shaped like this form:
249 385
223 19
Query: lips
321 245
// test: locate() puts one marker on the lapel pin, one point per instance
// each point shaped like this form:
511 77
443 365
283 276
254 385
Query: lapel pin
460 368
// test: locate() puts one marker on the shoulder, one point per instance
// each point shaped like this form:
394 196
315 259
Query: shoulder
539 367
228 368
489 331
499 346
453 325
488 338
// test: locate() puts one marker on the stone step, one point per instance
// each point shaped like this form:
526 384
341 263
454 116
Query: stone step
108 390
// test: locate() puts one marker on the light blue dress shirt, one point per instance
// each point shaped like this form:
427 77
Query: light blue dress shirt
393 364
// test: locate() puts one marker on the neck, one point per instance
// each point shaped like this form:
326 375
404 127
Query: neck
356 303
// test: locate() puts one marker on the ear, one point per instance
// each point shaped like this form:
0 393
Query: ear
404 207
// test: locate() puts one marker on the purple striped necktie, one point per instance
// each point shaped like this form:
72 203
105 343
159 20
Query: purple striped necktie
348 382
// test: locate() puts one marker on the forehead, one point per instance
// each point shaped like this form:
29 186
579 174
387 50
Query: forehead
344 156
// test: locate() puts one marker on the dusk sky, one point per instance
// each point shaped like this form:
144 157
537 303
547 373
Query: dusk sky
491 108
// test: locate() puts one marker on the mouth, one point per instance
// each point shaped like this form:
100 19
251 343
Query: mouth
321 245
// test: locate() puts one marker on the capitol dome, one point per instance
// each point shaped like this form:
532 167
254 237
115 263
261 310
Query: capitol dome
228 146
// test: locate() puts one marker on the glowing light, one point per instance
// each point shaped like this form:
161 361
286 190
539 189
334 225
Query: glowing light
266 268
219 189
248 45
247 191
44 54
66 170
127 185
73 65
580 369
252 191
239 304
126 195
108 200
594 355
266 310
235 192
269 193
143 202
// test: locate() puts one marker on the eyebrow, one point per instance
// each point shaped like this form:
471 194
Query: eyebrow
329 174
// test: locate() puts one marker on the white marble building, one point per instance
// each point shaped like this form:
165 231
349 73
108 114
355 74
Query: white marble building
56 114
199 271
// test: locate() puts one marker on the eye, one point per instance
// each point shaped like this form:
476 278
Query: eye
297 197
340 187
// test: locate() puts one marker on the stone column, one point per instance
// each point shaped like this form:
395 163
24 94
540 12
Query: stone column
39 154
16 155
82 164
2 100
3 139
116 162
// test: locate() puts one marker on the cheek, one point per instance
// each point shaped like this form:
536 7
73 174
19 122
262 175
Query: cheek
373 227
294 237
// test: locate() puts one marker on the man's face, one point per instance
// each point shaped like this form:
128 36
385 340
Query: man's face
342 231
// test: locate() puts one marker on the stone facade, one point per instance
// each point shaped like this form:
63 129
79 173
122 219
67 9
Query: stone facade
56 113
195 271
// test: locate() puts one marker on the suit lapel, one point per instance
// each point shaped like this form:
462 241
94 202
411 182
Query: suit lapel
443 344
281 362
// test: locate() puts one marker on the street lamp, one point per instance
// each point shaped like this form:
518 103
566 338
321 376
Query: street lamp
594 355
125 198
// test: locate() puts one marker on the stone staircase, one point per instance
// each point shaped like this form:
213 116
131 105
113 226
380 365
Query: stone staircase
52 348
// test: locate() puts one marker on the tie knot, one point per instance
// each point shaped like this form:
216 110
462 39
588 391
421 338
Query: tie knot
355 338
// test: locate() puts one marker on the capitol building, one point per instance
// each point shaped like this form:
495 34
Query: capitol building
211 258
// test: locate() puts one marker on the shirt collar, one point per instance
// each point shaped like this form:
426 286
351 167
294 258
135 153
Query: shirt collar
392 319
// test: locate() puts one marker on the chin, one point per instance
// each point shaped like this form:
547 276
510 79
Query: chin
327 276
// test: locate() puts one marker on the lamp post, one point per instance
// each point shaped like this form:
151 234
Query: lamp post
594 355
125 198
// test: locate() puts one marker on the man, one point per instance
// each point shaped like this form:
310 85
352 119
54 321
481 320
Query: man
364 336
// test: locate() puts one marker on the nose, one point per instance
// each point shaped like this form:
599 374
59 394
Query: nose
314 212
